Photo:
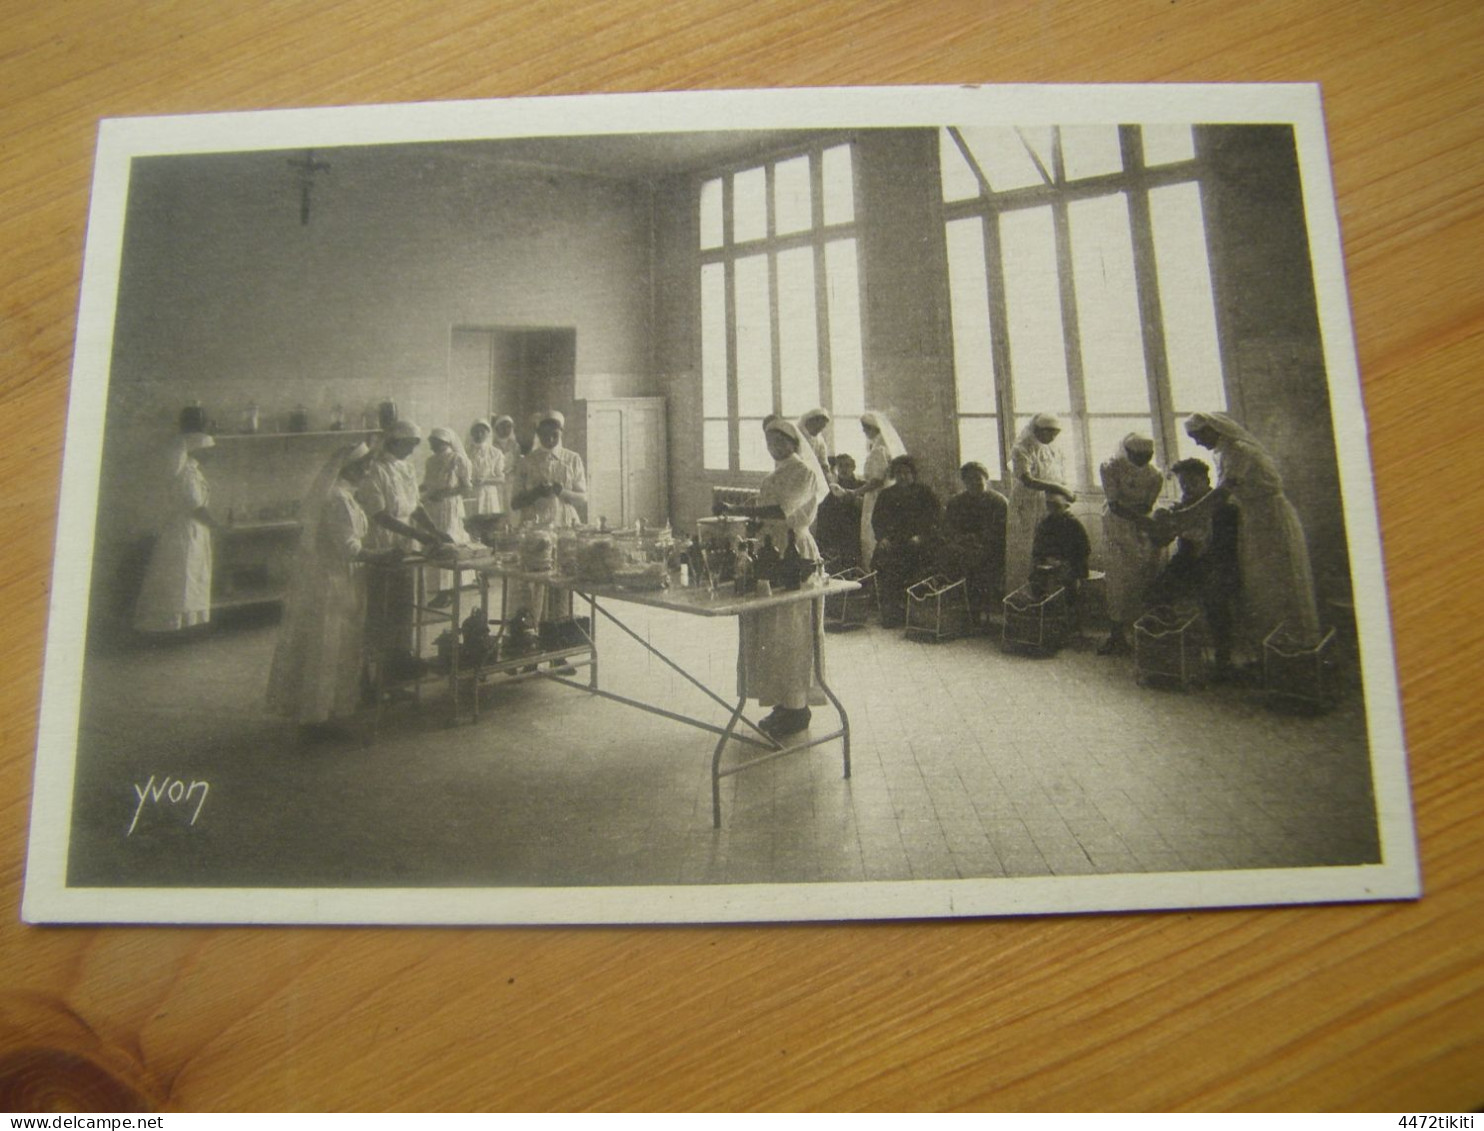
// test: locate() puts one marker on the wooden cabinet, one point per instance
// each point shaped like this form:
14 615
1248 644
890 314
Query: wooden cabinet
624 447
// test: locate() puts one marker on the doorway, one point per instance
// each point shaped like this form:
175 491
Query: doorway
514 371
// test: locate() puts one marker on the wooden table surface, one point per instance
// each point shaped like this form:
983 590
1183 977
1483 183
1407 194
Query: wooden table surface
1369 1007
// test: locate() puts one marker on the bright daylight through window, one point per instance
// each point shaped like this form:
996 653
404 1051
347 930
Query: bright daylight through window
780 302
1080 284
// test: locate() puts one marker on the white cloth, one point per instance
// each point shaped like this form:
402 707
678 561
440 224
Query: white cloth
816 441
878 466
390 488
509 447
446 470
885 446
1277 584
542 466
487 470
1028 506
316 672
1131 560
177 583
778 643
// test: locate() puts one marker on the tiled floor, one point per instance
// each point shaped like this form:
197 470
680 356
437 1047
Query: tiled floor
966 763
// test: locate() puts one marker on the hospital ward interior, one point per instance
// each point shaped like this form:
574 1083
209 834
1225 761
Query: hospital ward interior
787 506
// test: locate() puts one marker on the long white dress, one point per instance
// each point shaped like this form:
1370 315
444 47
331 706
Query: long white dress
1277 584
390 487
446 470
509 447
177 584
487 470
544 466
540 467
778 643
878 466
316 673
1028 506
1131 560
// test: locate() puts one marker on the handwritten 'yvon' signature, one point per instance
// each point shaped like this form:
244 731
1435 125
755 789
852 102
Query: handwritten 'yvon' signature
170 789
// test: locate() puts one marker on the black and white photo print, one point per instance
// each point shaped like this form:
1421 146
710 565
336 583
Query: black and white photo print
772 505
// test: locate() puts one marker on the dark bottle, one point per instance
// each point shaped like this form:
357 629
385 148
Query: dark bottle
743 570
768 560
791 568
697 559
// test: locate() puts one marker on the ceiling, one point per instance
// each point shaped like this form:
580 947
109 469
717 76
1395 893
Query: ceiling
627 156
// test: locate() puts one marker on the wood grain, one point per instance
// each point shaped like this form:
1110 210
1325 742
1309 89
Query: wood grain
1363 1007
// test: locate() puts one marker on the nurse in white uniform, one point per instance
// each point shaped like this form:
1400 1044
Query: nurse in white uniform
317 665
778 643
177 584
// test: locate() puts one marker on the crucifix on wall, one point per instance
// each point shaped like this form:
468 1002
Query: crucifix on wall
307 167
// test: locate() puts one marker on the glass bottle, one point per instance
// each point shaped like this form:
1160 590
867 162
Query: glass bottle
791 569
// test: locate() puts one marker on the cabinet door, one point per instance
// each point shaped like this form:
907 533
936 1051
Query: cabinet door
645 451
606 467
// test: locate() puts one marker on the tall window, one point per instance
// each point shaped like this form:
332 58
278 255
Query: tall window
780 302
1080 285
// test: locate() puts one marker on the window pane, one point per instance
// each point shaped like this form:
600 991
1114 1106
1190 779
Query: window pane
713 340
798 338
1111 332
968 293
754 337
847 439
959 181
1038 358
791 207
847 370
1164 145
1186 448
1090 151
979 440
714 445
839 186
752 447
1002 157
749 205
711 213
1185 298
1107 433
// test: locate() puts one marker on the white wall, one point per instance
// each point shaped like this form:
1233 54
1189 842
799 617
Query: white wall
227 298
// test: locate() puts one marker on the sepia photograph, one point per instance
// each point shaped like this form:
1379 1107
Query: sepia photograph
775 505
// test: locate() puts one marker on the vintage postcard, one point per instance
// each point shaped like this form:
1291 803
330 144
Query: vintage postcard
734 506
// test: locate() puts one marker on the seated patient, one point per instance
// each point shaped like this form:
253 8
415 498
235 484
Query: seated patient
905 522
1203 570
974 533
1060 549
839 523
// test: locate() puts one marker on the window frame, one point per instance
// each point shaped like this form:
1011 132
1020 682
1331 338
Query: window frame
1135 181
817 237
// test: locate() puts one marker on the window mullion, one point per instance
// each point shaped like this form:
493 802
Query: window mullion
999 339
734 440
1071 332
821 282
1146 281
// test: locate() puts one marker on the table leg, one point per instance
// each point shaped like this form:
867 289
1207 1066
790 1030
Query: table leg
592 639
825 687
716 774
457 609
484 606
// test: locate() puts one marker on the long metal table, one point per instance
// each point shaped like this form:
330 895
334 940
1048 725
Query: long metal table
694 602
